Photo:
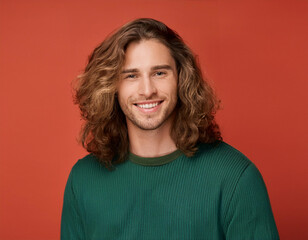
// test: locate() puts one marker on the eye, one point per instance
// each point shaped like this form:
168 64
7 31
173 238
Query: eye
130 76
160 73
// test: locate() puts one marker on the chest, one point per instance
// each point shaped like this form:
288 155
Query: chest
154 205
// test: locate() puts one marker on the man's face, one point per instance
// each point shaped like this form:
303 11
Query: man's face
147 89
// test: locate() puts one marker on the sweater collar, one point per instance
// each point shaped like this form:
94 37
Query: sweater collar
154 161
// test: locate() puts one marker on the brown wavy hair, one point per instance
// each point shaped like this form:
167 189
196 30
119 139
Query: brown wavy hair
104 132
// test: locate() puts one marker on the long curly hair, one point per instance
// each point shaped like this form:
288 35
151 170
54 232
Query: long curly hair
104 132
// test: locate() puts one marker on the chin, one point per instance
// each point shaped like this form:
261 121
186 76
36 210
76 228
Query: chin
148 126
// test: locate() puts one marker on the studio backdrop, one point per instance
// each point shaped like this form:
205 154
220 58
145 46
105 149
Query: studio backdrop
254 53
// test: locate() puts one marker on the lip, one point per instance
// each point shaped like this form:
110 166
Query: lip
148 102
149 110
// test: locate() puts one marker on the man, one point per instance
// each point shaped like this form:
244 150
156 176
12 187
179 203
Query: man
157 168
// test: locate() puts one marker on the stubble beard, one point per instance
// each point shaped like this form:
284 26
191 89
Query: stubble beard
150 122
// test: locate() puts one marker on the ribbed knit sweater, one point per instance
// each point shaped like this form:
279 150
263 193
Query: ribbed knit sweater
216 194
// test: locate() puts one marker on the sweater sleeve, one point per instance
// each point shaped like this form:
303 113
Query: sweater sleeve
71 221
249 215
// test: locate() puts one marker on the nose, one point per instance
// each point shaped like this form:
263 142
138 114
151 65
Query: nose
147 87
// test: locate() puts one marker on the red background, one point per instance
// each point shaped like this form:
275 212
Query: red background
255 53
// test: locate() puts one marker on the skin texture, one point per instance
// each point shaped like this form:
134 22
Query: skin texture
147 94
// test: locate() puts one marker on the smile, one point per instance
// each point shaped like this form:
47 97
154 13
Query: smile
148 105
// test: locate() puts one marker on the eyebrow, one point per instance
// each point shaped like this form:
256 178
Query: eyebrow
167 67
157 67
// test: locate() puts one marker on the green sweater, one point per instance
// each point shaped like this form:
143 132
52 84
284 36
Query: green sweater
216 194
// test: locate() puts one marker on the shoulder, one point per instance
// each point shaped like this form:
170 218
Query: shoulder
222 157
86 167
226 166
88 161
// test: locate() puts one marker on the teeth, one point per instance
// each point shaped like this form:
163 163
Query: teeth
148 105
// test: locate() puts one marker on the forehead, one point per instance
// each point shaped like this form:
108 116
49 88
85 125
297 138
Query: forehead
146 53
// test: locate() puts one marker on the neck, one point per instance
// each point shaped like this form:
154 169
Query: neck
150 143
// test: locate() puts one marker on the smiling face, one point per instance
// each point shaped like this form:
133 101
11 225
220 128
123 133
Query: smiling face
147 89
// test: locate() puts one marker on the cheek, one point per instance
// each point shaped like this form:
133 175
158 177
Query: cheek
121 97
122 100
169 86
125 96
173 90
126 90
122 92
